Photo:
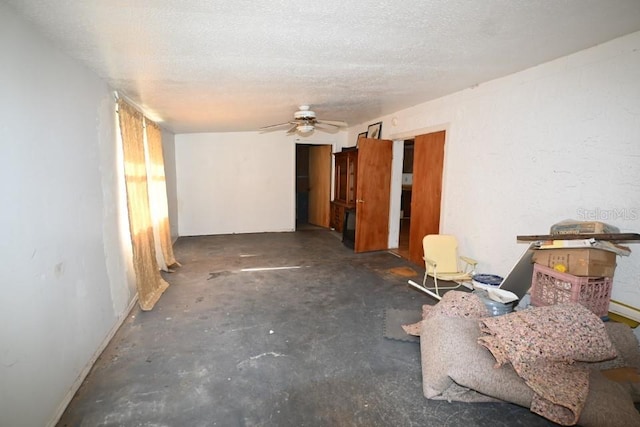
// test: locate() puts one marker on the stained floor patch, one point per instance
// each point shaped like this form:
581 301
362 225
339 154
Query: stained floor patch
216 274
403 271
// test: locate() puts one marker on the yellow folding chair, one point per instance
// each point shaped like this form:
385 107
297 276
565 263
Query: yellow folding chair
442 262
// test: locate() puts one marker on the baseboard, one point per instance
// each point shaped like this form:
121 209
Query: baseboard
85 371
625 310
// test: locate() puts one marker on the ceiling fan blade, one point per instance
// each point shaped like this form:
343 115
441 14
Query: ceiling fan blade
293 129
327 127
277 126
337 123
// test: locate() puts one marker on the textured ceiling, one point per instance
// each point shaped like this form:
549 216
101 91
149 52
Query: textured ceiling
207 65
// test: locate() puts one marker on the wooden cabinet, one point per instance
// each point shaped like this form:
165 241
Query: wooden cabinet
346 169
337 216
346 172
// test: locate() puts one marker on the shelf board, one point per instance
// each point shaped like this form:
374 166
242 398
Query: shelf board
611 237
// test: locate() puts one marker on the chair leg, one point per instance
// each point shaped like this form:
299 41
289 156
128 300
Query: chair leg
435 280
436 287
428 290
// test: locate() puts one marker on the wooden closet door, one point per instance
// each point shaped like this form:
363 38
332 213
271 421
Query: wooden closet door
373 184
428 161
319 184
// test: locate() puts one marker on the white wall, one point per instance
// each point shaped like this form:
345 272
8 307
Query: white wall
557 141
240 182
169 153
65 280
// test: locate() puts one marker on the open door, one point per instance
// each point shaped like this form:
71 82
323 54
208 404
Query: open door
428 161
319 184
373 193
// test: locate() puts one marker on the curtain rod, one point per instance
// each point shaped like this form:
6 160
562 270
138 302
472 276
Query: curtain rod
117 96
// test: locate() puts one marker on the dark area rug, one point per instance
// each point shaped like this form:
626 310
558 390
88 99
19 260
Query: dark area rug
394 319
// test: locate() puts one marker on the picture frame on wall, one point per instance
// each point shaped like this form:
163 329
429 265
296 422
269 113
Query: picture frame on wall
374 130
361 135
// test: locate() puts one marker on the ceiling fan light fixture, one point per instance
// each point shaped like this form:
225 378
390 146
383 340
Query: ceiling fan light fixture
304 122
305 128
304 113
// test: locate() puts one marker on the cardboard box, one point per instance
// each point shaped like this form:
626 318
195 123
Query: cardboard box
579 262
582 227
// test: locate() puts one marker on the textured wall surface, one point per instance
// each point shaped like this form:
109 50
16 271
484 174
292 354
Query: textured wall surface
523 152
65 282
239 182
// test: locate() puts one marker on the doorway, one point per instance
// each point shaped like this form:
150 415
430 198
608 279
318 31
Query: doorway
313 185
405 199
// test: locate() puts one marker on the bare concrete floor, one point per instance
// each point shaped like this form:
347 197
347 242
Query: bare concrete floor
297 341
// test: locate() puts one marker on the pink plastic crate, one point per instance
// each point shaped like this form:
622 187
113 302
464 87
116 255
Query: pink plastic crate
550 287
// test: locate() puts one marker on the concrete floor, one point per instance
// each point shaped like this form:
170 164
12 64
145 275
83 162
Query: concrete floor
299 346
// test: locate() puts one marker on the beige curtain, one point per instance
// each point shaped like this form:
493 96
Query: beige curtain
149 282
158 194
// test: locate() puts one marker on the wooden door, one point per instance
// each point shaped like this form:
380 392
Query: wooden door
428 161
319 184
373 184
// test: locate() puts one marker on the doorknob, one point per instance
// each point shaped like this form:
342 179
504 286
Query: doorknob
359 201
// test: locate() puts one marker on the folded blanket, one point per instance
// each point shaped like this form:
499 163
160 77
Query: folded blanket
542 344
453 304
456 368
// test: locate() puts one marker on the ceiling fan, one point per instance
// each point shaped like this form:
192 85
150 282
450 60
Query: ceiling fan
305 121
